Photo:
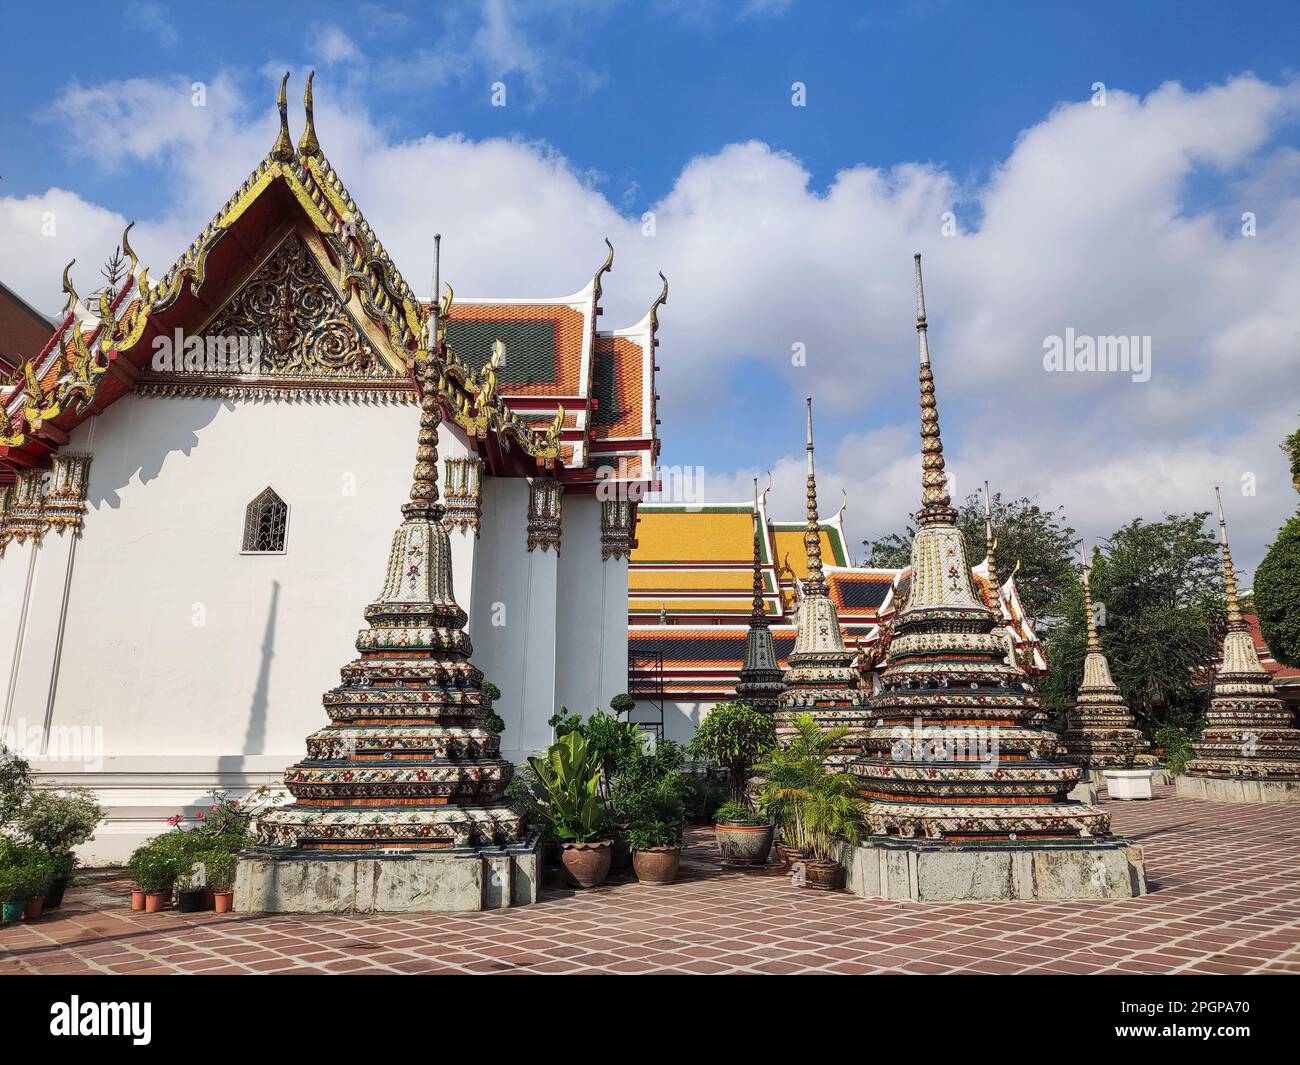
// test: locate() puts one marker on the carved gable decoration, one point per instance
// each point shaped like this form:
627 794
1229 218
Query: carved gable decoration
285 329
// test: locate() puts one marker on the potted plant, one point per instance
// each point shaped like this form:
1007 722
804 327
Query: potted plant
58 821
153 868
656 850
25 873
566 795
818 810
736 736
221 880
613 744
787 772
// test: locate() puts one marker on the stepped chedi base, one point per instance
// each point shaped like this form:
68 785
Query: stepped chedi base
1101 734
1250 749
969 797
399 805
821 679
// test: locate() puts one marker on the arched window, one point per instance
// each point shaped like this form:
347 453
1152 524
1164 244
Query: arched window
265 522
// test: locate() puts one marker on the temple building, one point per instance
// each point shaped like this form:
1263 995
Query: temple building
969 797
692 595
200 467
1249 750
1102 733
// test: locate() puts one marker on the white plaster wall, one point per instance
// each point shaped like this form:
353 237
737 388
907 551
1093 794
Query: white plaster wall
500 605
578 603
681 719
176 642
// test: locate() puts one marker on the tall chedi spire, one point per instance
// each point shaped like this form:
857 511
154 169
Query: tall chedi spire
958 752
1249 750
405 762
760 682
820 679
1101 733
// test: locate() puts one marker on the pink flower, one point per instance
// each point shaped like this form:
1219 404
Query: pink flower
202 816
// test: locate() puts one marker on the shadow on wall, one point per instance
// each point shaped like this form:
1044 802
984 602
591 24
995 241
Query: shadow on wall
173 425
255 731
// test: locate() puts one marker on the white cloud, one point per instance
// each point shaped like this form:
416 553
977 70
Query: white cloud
1087 223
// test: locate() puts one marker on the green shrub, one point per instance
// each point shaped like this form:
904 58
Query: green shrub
733 813
25 871
565 722
643 835
59 821
1177 742
566 791
704 795
492 721
734 736
1277 594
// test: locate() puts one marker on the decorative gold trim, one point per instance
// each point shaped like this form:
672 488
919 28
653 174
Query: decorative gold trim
544 501
617 528
463 487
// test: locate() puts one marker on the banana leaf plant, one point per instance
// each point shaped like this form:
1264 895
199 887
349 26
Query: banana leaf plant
566 791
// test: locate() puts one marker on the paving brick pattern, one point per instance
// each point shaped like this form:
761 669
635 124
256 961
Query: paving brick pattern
1224 899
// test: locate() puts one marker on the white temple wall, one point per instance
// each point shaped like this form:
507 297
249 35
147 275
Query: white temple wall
581 640
181 664
498 617
681 718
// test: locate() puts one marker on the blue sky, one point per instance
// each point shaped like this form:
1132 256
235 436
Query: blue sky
778 224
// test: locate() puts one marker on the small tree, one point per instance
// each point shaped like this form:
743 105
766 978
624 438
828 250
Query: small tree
1277 594
735 736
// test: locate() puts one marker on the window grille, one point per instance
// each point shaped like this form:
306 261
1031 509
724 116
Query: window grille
265 522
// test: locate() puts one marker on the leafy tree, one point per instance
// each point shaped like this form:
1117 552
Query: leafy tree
1040 540
735 736
1158 589
1277 593
1291 445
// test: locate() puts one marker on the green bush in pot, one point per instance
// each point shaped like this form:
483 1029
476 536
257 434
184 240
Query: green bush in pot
734 736
566 795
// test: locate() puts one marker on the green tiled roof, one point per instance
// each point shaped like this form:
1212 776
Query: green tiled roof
530 348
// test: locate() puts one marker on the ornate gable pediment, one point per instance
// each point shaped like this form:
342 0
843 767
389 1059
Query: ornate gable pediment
284 329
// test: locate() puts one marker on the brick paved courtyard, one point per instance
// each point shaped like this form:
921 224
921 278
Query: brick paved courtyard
1224 899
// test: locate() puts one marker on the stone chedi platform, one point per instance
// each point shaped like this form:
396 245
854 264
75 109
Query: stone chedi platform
820 679
761 680
968 794
399 805
1101 733
1249 750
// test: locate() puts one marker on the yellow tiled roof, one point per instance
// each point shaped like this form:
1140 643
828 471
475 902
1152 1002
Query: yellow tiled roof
700 536
721 580
677 606
789 542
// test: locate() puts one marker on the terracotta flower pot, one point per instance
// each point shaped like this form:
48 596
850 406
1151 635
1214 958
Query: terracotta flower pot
657 865
745 845
223 901
33 908
823 876
789 855
587 863
154 901
137 899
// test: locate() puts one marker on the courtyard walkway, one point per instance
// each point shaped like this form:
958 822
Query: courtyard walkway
1225 898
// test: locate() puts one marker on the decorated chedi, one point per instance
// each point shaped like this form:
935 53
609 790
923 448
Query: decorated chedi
405 767
821 678
1101 732
959 772
1249 750
761 682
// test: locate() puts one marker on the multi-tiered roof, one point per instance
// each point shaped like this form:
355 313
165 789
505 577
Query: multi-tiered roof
1249 732
959 752
567 400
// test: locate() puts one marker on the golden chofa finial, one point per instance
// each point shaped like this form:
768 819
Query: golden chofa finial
140 273
73 299
605 268
308 145
660 300
283 150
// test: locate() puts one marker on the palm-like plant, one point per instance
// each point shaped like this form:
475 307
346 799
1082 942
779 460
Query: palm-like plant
566 791
812 805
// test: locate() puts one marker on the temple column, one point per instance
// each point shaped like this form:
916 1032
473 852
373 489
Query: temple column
541 624
617 535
